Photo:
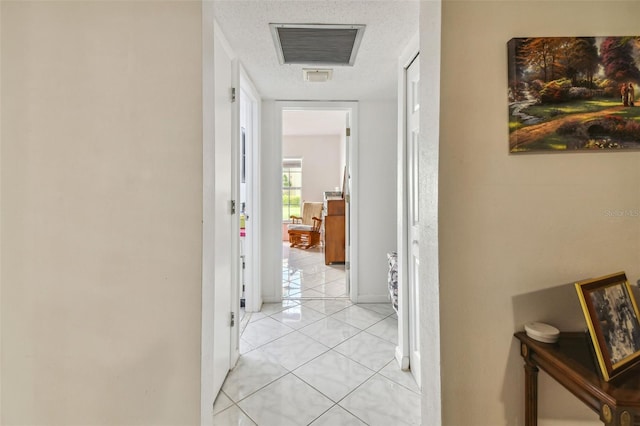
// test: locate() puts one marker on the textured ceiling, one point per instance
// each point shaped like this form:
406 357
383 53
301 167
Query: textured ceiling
389 27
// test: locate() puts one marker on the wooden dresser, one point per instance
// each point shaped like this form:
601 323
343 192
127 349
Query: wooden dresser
334 231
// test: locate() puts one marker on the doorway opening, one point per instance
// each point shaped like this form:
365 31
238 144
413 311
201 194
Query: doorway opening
316 182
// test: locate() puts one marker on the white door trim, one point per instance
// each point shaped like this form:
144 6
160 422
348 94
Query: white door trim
352 238
430 53
402 350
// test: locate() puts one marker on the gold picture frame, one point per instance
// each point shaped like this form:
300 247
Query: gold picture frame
612 316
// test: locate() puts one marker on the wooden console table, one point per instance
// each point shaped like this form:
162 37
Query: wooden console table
571 363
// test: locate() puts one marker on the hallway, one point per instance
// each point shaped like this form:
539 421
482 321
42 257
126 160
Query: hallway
315 361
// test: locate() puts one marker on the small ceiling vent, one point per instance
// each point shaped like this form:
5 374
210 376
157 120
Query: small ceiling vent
317 44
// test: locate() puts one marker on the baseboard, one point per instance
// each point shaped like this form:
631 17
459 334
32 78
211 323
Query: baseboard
255 308
381 298
271 299
403 361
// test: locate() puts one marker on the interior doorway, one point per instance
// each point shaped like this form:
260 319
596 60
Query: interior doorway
316 175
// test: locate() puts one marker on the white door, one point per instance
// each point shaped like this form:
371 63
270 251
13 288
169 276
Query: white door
224 231
413 214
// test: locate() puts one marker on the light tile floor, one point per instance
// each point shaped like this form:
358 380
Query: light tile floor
319 362
304 275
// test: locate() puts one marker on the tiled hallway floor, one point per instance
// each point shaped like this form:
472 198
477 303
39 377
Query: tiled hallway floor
319 362
317 359
304 274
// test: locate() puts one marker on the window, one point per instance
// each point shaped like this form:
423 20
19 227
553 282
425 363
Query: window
291 187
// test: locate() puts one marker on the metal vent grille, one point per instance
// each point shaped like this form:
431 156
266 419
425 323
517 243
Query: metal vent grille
317 44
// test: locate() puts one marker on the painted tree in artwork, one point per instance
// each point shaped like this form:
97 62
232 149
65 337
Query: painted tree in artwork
553 58
540 54
582 59
616 54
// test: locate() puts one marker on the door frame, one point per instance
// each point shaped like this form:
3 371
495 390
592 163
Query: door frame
403 348
351 212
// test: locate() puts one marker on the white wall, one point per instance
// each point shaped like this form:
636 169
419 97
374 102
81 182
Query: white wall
271 211
377 197
320 163
101 212
515 228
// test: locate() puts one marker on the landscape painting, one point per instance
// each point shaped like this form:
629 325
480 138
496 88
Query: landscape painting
574 94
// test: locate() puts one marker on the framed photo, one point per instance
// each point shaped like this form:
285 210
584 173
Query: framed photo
613 320
569 94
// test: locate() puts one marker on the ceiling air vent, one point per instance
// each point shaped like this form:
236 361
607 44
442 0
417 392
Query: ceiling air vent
317 44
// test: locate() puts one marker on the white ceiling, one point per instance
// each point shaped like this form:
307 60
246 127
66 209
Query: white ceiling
390 24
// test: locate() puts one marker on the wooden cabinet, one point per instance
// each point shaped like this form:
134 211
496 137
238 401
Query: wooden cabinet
334 231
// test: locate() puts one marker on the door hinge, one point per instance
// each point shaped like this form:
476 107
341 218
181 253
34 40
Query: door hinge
347 198
348 131
347 265
232 319
233 206
233 94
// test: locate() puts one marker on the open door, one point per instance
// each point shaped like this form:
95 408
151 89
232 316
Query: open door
218 213
224 210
